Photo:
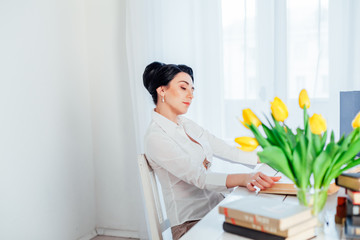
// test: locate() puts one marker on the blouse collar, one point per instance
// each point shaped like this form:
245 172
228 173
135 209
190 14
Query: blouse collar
166 124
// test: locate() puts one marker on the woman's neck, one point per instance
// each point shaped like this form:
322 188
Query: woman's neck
166 113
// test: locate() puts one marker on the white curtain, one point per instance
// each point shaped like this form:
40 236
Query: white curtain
277 47
344 41
180 32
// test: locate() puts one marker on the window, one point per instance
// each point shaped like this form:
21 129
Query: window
239 49
273 48
307 31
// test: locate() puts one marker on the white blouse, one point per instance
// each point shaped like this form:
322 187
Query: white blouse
190 190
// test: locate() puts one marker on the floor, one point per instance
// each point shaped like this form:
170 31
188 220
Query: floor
111 238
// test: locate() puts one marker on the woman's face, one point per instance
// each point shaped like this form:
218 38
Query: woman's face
179 93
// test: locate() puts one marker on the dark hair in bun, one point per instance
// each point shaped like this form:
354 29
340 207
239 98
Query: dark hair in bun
158 74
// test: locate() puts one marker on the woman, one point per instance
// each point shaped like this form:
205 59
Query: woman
181 152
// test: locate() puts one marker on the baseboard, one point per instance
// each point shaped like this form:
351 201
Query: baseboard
88 236
117 233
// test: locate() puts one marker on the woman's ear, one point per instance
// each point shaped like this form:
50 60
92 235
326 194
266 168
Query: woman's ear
160 91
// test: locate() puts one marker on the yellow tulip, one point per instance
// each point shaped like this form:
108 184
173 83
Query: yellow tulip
247 144
279 110
304 99
250 118
317 124
356 122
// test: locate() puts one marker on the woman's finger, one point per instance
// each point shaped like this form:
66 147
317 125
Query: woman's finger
250 187
255 182
264 182
275 179
266 178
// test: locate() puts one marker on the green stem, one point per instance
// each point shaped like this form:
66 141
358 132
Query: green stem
316 200
302 195
320 197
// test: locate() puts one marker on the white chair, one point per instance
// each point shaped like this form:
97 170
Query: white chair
156 220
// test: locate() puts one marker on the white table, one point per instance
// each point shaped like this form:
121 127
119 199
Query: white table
210 227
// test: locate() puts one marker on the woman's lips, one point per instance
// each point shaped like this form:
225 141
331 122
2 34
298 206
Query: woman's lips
187 103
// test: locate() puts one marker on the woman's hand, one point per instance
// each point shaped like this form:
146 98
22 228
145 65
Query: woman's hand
250 180
259 180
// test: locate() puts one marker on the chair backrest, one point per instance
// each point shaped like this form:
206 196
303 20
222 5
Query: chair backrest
156 220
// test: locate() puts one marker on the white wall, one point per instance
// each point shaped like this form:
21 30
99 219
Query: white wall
46 165
67 142
119 204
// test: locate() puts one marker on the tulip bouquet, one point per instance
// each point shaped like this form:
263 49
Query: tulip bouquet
304 154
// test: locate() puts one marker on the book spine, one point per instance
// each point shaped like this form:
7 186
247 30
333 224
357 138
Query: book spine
248 217
355 220
354 196
351 230
352 209
259 227
344 182
249 233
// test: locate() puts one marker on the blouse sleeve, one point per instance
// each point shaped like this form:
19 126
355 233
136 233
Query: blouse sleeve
168 155
223 150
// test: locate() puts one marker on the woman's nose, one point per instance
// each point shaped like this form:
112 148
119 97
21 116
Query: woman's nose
191 94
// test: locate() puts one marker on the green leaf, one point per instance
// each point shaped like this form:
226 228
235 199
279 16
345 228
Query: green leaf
353 149
356 134
291 137
335 174
284 144
299 131
323 140
332 137
332 149
353 163
275 158
310 150
269 121
320 166
341 140
259 137
317 144
344 143
275 121
306 118
271 138
301 174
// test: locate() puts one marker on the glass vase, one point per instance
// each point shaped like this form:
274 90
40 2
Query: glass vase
313 198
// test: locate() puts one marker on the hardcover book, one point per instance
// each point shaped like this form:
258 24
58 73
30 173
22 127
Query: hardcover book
266 212
355 220
290 189
250 233
285 185
354 196
351 230
291 231
340 210
349 180
352 209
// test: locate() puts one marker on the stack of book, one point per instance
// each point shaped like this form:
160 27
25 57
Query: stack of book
340 214
351 182
265 218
